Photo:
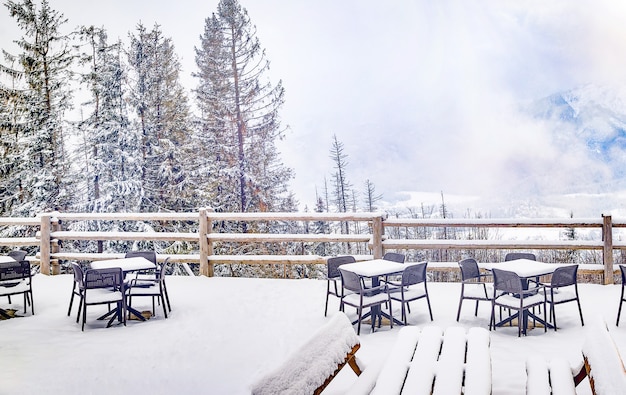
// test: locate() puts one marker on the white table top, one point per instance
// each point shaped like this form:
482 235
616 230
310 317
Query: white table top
374 268
524 267
127 264
6 259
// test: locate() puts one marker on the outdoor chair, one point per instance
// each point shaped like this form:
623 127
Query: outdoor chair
473 285
15 279
104 286
18 256
412 286
152 257
333 276
563 288
622 269
394 257
77 288
511 256
362 297
509 292
153 287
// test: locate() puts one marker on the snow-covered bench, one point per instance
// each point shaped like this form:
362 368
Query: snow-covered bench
602 364
429 360
312 367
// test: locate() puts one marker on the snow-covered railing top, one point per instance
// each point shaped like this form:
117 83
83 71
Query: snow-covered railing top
378 233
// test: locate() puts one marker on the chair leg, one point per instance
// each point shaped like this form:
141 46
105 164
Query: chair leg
164 308
327 295
430 312
458 313
167 297
580 311
358 326
619 311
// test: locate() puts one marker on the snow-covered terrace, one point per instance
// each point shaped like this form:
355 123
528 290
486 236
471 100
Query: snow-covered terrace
224 333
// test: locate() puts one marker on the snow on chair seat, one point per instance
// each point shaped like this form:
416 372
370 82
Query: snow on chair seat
433 361
312 367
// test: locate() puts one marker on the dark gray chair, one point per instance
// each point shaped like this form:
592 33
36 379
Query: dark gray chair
152 287
18 256
563 288
473 285
412 287
622 269
15 279
394 257
511 256
152 257
77 288
509 292
333 276
104 286
362 297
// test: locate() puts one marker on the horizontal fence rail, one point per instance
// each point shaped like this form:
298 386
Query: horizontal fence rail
50 232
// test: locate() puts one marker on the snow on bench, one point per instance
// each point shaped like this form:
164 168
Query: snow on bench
601 363
545 378
311 368
433 361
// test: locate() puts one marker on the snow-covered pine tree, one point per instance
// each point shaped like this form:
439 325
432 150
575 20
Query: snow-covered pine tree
239 120
42 173
163 119
111 171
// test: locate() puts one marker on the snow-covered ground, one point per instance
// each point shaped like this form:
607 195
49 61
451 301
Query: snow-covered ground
224 333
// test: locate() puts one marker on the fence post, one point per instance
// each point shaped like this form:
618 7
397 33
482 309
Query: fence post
44 247
377 237
206 248
55 225
607 237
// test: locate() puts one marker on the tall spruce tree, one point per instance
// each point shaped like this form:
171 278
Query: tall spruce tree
108 144
162 119
41 174
239 120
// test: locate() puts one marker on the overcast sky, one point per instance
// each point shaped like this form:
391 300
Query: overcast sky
423 94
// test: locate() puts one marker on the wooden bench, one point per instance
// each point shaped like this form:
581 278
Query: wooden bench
429 360
601 364
313 366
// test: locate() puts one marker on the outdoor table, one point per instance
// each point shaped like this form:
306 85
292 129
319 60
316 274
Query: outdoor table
526 269
127 265
374 269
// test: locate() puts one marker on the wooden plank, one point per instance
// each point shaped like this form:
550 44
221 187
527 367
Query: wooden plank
492 244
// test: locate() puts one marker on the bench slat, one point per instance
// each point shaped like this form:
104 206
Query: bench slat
450 367
423 368
394 371
477 362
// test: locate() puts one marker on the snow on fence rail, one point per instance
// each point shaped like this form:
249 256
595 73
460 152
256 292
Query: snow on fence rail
48 233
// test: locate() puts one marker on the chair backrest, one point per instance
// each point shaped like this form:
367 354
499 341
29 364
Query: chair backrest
18 255
104 278
332 264
351 281
394 256
564 276
511 256
149 255
622 269
14 271
414 274
79 275
469 269
506 281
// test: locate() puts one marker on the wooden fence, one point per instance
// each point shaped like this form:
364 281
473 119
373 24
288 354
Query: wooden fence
49 233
